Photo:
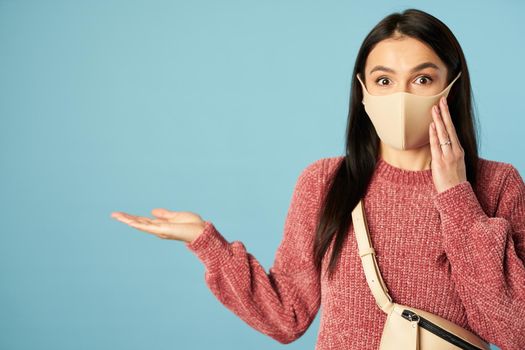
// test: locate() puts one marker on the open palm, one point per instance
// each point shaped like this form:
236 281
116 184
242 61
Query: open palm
177 225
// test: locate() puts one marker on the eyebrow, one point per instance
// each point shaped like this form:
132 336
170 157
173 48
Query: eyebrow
415 69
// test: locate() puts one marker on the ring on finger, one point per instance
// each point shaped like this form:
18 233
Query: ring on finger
446 143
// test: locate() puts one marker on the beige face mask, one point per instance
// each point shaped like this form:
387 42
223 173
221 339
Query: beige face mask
402 119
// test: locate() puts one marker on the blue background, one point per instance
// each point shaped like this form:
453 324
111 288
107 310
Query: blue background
206 106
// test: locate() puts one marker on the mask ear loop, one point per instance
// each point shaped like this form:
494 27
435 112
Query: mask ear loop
362 84
454 80
449 87
363 87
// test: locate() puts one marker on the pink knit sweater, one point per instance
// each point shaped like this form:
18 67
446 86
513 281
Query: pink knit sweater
453 253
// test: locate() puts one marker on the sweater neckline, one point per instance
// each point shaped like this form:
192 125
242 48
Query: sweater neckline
397 175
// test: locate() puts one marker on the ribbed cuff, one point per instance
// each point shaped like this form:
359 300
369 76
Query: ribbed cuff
210 247
459 205
473 240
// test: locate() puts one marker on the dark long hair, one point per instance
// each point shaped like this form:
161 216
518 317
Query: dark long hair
350 180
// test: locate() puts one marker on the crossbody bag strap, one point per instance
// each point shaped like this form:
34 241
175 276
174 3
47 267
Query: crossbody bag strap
368 259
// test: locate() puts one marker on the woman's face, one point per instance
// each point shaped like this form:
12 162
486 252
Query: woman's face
404 64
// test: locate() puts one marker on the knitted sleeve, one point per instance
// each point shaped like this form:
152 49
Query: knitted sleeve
487 256
283 302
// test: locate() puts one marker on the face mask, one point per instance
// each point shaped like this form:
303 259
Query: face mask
402 119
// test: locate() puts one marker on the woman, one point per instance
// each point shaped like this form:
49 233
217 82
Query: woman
448 226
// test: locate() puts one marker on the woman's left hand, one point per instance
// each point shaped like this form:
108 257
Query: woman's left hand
448 163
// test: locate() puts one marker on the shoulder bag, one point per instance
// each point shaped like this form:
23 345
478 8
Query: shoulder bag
406 327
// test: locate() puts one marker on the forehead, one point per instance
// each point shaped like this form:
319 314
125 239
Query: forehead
401 54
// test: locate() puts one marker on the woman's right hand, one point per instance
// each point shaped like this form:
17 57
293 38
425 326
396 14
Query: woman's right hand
178 225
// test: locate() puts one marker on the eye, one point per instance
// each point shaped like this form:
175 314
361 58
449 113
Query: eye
425 78
381 79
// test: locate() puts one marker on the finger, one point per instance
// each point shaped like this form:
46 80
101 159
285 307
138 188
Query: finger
120 216
148 228
164 213
138 218
128 218
435 149
176 216
166 230
447 121
442 135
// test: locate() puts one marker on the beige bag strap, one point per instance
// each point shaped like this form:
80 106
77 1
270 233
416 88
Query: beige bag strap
368 259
